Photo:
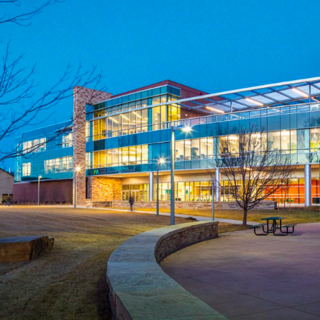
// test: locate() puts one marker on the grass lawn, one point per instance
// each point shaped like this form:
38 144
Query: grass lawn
68 283
294 215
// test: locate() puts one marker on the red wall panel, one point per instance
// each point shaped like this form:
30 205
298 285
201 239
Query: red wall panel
50 191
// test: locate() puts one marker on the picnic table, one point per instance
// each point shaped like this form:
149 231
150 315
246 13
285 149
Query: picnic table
272 225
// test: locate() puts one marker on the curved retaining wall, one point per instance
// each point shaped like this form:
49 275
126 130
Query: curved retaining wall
139 289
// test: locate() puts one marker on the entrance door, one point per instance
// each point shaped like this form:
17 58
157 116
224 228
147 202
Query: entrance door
135 195
125 195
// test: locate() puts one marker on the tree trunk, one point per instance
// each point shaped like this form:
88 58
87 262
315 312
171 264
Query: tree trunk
245 216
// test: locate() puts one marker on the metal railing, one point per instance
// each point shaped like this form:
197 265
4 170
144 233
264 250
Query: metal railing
234 116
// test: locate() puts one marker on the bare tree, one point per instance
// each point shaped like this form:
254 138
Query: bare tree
20 103
23 18
253 170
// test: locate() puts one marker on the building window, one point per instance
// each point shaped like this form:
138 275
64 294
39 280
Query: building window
186 191
26 169
193 149
67 140
88 125
58 165
286 194
131 120
315 139
36 145
88 160
139 192
174 113
121 156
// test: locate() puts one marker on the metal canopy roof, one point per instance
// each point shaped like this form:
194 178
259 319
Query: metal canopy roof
278 94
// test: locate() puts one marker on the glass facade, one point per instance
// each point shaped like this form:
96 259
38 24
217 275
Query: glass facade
142 118
129 133
51 156
58 165
121 156
186 191
293 193
139 192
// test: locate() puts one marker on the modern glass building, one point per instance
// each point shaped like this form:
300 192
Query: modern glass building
117 140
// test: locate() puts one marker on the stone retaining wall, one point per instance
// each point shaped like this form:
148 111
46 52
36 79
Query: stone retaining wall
139 289
265 205
184 237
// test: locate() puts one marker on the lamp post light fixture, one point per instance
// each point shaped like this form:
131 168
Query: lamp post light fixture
159 162
39 189
76 171
185 129
212 195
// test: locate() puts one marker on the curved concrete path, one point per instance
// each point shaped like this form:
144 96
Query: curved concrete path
246 277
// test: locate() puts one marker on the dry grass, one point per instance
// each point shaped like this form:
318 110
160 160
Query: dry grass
294 215
68 283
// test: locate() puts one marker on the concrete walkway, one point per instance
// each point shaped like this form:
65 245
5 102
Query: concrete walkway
199 218
246 277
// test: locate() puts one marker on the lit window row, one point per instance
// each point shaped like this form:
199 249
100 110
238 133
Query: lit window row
58 165
139 192
122 108
193 149
287 194
67 140
36 145
121 156
202 191
136 100
26 169
134 122
123 124
288 141
186 191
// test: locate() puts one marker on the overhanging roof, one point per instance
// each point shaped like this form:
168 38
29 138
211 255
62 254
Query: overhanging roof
272 95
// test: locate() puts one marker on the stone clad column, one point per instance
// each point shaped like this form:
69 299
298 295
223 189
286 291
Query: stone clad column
307 185
81 97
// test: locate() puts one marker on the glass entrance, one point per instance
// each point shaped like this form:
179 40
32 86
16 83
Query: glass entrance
139 192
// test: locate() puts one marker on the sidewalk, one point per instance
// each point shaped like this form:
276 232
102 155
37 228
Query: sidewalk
179 215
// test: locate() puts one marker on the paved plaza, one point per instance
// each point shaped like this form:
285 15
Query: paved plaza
246 277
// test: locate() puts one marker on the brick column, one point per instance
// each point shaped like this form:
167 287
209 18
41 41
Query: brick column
105 189
81 97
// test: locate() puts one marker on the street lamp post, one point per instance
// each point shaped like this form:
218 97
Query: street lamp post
186 129
39 190
172 156
77 169
160 161
213 181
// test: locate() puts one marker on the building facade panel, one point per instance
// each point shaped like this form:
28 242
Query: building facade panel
51 192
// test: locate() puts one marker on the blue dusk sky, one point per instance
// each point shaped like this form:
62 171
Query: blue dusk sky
207 44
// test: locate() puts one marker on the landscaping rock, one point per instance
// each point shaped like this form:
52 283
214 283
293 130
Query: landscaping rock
14 249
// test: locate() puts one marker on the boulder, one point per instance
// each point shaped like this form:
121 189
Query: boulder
14 249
